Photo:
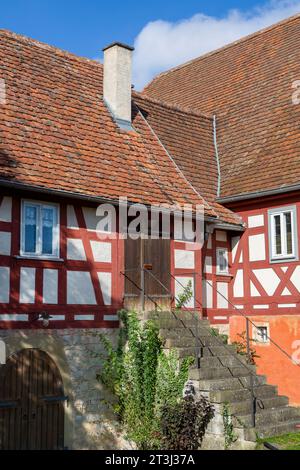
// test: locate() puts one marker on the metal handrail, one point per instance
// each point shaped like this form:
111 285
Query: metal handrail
255 399
141 290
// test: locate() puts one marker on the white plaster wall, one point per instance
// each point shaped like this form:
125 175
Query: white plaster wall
184 259
27 286
101 252
75 250
238 287
71 218
6 209
257 247
80 289
208 265
268 279
181 285
5 243
222 292
256 221
50 286
4 284
105 284
295 278
234 247
207 294
254 292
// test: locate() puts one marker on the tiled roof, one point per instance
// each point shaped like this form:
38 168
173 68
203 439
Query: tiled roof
188 138
248 85
57 134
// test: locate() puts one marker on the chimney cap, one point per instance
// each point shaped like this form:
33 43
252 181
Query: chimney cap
120 44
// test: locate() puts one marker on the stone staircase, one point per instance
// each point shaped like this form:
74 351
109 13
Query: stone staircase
224 378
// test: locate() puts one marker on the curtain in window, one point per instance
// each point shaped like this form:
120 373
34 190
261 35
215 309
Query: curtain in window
30 229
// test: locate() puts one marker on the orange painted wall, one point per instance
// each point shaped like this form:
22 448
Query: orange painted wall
279 369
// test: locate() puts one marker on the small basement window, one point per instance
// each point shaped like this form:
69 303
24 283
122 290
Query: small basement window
40 229
283 233
222 261
261 334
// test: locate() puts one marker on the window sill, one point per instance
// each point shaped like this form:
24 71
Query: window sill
39 258
224 277
284 260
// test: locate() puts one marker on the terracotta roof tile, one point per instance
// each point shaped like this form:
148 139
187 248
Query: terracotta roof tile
188 137
248 84
56 133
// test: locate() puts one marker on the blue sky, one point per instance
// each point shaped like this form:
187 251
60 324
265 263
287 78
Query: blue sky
164 32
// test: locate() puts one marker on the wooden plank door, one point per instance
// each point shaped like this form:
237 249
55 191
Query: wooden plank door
31 403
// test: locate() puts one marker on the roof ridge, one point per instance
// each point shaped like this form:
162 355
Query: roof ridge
35 42
172 107
226 46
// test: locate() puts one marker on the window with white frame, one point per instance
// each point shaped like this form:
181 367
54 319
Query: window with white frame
40 229
261 334
283 230
222 261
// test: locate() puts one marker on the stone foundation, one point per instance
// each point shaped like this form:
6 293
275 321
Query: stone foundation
89 421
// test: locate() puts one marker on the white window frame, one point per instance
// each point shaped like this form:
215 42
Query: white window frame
222 250
56 231
257 337
272 234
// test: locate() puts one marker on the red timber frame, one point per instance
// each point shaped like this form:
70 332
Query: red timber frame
214 278
255 208
63 265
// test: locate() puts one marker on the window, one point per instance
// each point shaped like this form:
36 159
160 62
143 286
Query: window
40 229
282 225
222 261
262 334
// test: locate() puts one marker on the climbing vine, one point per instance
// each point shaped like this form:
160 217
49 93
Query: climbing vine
241 348
186 295
229 435
143 378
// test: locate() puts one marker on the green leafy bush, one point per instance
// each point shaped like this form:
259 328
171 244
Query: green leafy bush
184 298
241 348
184 423
143 379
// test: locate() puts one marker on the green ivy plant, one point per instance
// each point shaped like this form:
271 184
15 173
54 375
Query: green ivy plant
184 298
217 334
229 435
241 348
143 378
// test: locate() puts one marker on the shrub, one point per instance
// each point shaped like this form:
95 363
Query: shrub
143 378
184 423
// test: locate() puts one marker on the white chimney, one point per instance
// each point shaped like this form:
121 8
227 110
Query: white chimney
117 82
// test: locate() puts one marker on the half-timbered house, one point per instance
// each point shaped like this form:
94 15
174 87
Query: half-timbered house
220 133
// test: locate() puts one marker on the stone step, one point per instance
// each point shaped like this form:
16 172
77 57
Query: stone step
269 430
270 416
229 396
183 315
244 407
174 333
220 372
232 383
173 323
224 361
217 351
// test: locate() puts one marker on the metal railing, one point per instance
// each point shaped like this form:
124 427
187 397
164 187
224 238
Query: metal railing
255 401
198 344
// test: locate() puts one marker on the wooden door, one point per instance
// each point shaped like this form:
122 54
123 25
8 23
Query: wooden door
157 254
31 403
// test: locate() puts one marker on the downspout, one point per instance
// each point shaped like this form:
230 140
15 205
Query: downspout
217 154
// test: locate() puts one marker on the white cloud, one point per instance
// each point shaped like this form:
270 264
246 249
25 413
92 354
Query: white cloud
162 45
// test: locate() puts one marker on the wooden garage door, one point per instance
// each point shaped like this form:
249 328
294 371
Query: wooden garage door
31 403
